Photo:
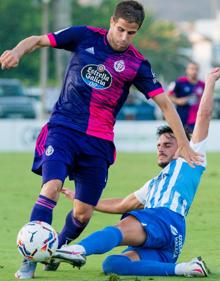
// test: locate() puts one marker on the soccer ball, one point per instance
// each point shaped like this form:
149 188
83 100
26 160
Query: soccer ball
37 241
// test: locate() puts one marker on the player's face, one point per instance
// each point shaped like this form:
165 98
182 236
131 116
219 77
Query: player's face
121 33
192 71
166 149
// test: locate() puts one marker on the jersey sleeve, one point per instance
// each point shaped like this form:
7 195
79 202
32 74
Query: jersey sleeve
146 82
200 148
68 38
141 193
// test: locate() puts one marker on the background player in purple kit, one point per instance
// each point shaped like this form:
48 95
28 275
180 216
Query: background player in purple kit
78 139
186 94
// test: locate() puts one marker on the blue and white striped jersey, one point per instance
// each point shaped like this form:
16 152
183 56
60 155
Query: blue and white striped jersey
175 187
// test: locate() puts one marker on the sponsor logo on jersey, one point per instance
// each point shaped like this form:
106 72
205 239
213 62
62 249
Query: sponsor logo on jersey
96 76
49 150
178 245
119 66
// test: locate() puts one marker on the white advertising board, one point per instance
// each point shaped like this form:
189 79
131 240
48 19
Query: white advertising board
130 136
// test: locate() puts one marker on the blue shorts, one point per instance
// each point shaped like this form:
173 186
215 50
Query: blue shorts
165 231
62 152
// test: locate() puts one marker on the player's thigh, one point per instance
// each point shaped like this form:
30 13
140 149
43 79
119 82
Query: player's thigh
53 177
54 155
132 231
54 170
90 179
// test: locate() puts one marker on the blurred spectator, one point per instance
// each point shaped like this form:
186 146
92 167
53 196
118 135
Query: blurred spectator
186 93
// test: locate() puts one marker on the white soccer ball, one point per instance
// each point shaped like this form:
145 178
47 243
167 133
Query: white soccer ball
37 241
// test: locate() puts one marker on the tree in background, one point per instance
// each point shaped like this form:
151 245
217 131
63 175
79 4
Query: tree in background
161 42
20 19
61 11
157 40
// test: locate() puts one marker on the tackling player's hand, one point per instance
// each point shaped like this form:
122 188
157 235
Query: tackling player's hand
193 158
9 59
213 75
69 194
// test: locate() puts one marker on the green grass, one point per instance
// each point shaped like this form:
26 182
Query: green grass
19 189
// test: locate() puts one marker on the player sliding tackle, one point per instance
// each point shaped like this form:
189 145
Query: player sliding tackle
154 222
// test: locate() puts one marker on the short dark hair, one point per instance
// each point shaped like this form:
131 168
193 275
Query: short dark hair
131 11
167 130
192 62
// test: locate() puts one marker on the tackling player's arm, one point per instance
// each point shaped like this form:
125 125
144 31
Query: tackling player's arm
119 206
11 58
111 205
204 114
174 121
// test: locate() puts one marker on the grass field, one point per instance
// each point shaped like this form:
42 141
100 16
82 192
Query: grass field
19 189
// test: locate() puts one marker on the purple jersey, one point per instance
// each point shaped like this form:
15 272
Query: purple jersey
97 81
184 88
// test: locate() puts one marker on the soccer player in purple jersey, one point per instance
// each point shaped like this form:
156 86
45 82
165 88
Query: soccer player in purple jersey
186 94
78 139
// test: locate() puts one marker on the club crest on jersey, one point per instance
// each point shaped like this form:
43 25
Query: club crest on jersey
49 150
96 76
119 66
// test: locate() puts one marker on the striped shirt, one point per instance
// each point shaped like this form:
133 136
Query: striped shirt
175 187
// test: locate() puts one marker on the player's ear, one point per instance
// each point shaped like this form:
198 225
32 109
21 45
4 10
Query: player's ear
112 20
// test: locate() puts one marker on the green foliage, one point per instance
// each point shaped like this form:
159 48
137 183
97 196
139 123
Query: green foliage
161 43
158 40
20 19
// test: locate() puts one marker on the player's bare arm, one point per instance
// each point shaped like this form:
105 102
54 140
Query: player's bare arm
205 109
11 58
173 120
111 205
119 206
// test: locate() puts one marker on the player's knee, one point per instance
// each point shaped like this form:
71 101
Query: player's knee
115 264
51 189
82 217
